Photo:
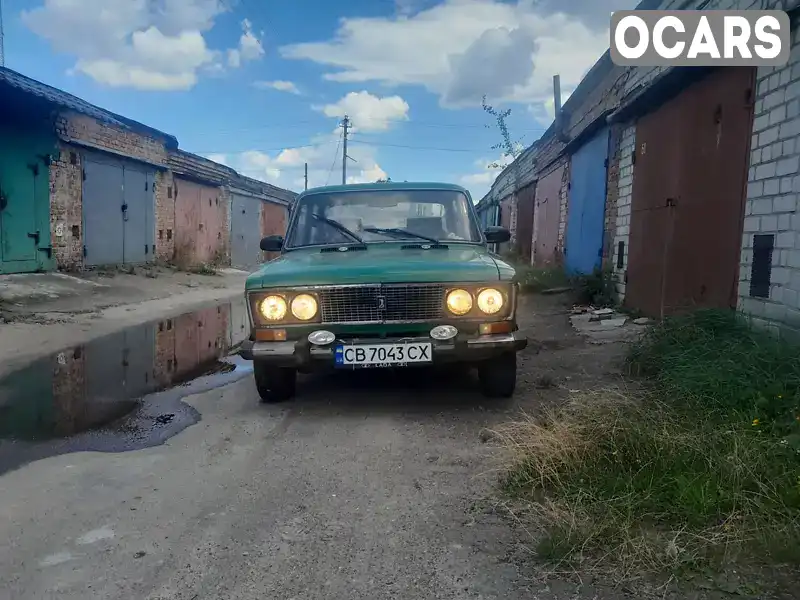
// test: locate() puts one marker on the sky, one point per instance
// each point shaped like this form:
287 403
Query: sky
262 85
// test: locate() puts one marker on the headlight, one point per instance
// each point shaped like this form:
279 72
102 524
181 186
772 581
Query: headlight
304 307
490 301
459 302
273 308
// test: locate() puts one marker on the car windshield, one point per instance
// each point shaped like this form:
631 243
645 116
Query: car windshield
382 216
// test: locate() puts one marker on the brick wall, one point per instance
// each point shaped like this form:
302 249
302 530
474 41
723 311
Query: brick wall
164 364
624 195
563 209
225 225
66 218
612 193
165 216
773 201
123 142
69 390
77 132
273 222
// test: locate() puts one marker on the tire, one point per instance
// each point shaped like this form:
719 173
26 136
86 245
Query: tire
498 376
274 384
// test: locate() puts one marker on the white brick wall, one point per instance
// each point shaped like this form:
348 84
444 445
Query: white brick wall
623 225
773 194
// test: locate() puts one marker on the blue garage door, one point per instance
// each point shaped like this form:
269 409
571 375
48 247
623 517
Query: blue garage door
586 208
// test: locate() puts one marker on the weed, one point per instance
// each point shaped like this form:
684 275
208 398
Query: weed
202 269
598 289
533 279
698 467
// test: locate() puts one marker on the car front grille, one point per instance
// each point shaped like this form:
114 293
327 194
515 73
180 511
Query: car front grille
382 303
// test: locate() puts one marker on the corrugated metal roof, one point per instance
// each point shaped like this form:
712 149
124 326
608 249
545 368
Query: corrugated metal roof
68 101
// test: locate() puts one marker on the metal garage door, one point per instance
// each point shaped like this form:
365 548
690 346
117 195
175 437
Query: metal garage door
118 212
547 217
688 197
587 203
245 231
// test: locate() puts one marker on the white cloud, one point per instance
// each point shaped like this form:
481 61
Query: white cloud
368 112
144 44
250 47
280 85
486 171
323 156
462 49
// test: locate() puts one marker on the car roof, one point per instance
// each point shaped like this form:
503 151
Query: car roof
390 185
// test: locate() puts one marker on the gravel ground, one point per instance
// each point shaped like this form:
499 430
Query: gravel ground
368 487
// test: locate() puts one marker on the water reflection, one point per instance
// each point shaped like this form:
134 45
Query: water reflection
89 386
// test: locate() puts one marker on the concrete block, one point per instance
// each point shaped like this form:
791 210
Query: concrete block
784 222
752 224
785 239
793 106
765 171
768 223
785 185
768 136
776 115
776 293
753 306
788 129
772 187
774 98
762 122
794 261
766 155
787 166
785 203
792 90
788 147
762 206
747 240
794 281
784 76
791 298
780 276
774 312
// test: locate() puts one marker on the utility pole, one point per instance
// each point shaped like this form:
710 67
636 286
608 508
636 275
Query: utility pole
346 128
306 177
2 36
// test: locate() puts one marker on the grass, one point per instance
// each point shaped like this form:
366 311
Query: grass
695 469
597 289
202 269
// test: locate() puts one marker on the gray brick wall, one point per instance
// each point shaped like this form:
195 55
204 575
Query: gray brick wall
773 195
624 198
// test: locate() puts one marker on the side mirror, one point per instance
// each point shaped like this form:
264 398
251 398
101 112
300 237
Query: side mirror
496 235
272 243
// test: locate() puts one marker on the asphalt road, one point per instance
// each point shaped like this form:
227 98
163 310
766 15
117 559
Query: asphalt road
372 488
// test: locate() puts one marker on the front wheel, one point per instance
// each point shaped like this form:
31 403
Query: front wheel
274 384
498 376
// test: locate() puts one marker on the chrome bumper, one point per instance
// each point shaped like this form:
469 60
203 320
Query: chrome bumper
302 352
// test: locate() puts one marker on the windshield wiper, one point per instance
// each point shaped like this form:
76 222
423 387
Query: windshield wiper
397 232
338 226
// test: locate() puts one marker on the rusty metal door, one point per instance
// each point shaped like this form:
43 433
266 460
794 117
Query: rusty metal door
245 231
525 207
688 197
187 221
546 217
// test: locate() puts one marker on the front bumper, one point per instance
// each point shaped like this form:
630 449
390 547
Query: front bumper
303 354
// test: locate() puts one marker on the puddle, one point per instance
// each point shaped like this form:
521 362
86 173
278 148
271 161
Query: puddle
123 391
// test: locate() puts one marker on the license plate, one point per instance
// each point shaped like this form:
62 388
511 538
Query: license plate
383 355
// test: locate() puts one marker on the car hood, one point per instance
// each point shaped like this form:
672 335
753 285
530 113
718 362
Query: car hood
380 263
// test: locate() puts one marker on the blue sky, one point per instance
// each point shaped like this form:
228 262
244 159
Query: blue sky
262 84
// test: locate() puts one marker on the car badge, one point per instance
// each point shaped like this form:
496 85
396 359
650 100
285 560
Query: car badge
343 248
426 246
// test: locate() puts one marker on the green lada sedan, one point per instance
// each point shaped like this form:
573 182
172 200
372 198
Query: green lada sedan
383 275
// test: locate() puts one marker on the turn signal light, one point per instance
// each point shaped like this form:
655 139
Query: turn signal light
270 335
499 327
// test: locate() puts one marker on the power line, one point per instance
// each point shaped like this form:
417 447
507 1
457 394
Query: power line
379 144
335 154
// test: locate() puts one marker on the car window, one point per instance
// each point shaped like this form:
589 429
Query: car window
377 216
